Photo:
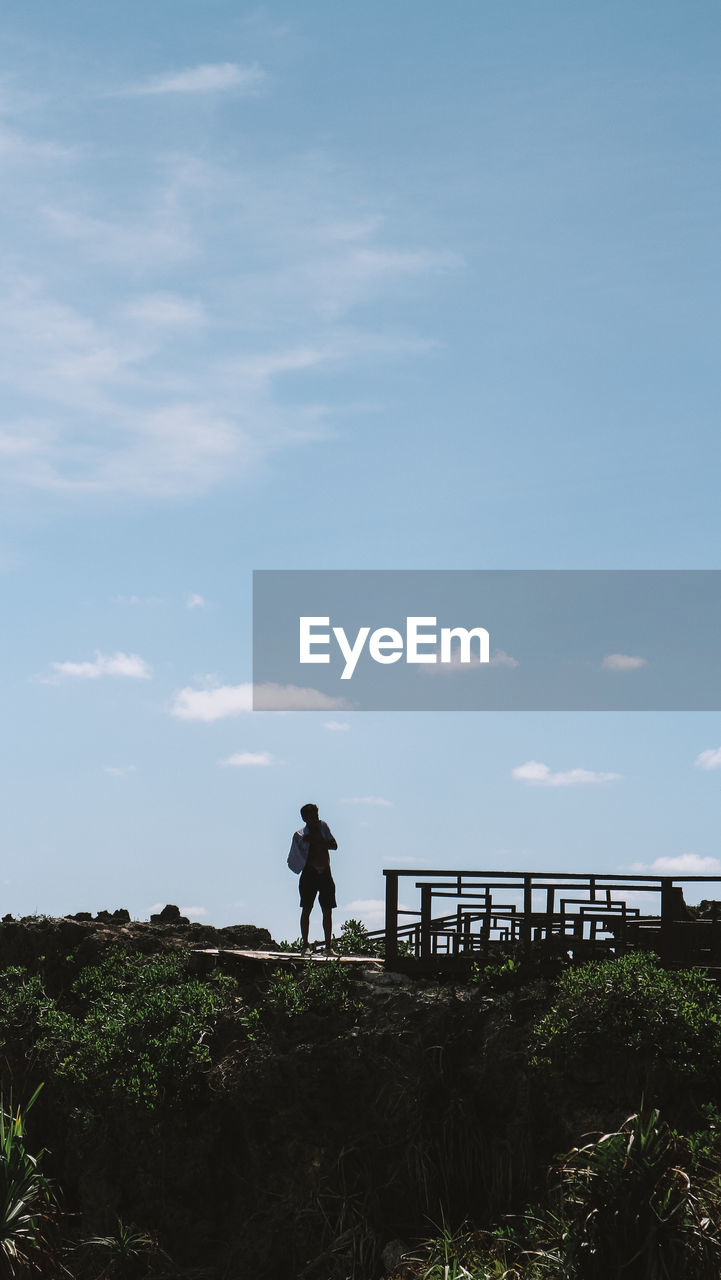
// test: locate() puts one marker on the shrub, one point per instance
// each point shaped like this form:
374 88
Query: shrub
354 940
132 1027
629 1208
634 1006
318 988
140 1027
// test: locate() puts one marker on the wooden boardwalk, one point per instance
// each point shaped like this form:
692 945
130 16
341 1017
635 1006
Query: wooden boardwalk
203 959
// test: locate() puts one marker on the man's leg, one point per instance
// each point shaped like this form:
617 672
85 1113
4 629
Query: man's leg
328 926
304 923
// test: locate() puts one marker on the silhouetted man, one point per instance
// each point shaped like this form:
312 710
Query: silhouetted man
313 843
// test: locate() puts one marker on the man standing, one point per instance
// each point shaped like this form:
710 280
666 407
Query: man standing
313 843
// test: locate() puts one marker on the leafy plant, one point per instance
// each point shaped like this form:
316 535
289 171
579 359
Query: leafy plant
131 1027
629 1208
506 973
141 1027
354 940
635 1006
318 988
26 1200
121 1254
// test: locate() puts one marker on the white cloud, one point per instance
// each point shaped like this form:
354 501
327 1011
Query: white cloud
688 864
137 600
119 771
540 775
242 759
336 726
368 800
161 236
194 601
218 703
710 759
18 148
499 658
119 389
214 703
128 665
192 911
291 697
370 911
209 77
622 662
165 311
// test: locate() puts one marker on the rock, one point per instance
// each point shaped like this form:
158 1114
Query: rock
169 915
393 1255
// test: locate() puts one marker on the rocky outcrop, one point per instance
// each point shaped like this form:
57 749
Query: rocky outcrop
84 937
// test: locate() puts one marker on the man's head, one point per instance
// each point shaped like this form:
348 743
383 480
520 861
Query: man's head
309 813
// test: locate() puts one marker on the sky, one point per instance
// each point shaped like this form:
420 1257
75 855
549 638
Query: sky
331 286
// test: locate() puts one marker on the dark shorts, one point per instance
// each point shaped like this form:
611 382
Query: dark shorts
316 882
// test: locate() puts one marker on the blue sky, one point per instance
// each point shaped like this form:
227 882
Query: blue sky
323 286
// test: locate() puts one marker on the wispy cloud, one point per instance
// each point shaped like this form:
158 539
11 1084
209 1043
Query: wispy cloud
137 600
378 801
222 701
19 149
291 697
370 911
499 658
537 774
164 311
249 759
116 389
191 912
210 704
119 771
127 665
160 237
336 726
209 77
622 662
195 601
710 759
689 864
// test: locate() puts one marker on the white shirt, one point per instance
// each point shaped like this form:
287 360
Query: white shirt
298 855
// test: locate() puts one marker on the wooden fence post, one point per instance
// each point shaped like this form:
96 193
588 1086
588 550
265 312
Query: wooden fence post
391 938
527 912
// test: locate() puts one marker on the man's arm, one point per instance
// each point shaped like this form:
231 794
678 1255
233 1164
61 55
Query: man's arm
328 836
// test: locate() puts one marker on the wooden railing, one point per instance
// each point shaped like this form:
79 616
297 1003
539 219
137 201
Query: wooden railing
582 913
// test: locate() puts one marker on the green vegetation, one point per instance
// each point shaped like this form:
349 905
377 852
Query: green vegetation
249 1124
657 1019
625 1205
125 1253
354 940
27 1204
317 988
129 1027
